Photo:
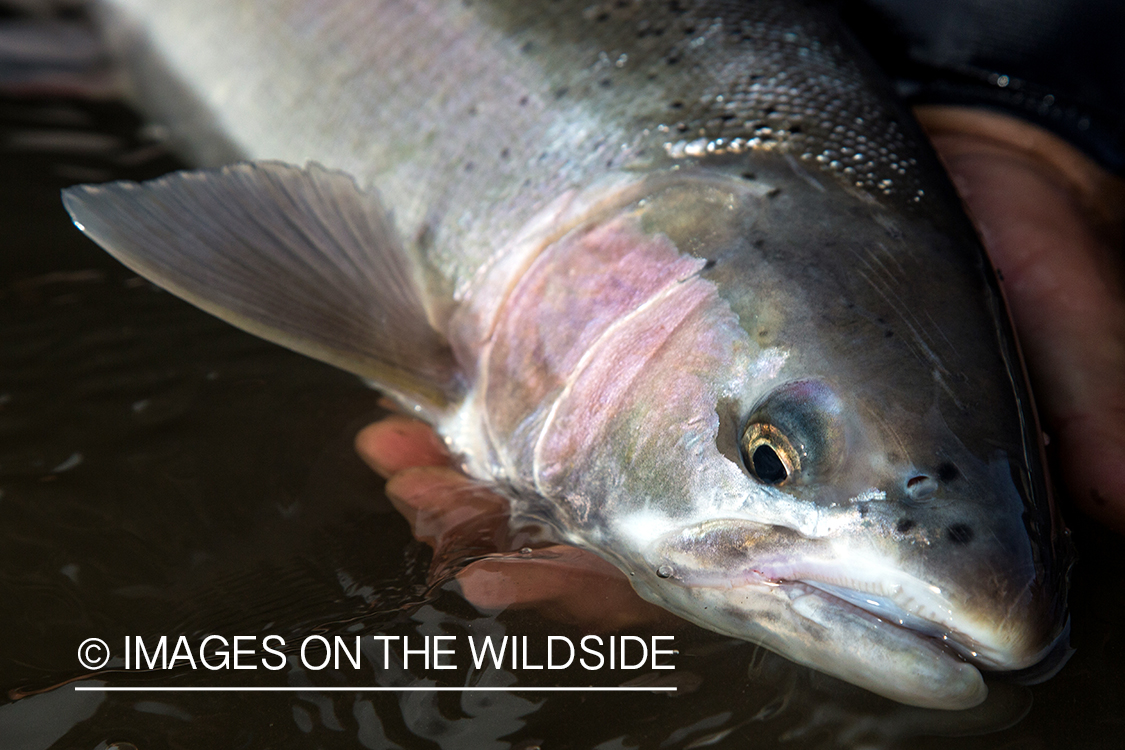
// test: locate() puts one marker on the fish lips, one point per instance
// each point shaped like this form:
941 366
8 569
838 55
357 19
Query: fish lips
728 555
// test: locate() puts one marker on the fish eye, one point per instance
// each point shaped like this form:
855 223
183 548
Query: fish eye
768 453
795 434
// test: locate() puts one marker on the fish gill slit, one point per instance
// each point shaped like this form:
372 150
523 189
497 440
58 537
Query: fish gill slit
536 243
662 294
481 388
532 257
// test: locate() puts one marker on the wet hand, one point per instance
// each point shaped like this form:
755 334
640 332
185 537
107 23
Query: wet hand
460 519
1053 222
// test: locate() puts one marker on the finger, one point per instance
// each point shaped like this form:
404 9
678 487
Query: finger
396 443
574 586
459 519
1042 211
441 503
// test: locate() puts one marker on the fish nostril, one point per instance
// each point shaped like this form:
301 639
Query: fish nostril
920 486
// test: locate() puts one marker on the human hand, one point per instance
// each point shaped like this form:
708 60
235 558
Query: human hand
461 519
1053 223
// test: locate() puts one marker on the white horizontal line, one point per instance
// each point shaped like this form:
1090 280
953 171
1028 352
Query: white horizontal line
315 689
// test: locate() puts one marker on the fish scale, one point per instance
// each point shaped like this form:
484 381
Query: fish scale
557 123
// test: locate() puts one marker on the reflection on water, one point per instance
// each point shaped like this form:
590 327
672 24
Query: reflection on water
164 474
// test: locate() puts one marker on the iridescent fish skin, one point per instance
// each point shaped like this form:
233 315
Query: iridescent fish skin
680 279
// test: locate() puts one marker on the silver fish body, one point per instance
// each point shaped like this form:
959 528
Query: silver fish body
677 278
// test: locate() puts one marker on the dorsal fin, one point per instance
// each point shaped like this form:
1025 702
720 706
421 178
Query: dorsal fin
301 257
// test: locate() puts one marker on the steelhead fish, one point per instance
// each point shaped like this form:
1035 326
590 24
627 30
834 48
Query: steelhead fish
679 279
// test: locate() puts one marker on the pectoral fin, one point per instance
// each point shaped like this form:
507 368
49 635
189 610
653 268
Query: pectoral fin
301 257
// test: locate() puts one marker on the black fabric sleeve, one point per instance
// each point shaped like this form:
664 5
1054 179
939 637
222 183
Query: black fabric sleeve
1057 63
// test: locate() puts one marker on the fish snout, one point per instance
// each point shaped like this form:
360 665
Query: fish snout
980 537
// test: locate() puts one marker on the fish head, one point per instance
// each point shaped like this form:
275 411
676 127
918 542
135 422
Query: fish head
818 441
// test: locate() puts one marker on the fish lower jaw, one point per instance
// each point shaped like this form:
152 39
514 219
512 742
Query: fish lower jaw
820 630
826 632
904 602
886 611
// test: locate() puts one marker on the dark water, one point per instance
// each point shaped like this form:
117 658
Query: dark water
164 474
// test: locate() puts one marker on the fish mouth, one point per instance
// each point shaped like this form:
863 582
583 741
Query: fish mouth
908 604
859 615
819 623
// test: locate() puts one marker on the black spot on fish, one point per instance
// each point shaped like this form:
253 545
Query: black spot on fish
676 105
947 472
708 264
527 47
760 242
672 60
749 176
523 101
605 83
469 166
862 509
888 334
561 92
904 525
681 127
960 533
601 17
505 153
